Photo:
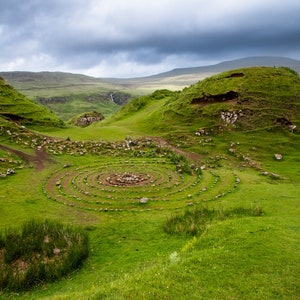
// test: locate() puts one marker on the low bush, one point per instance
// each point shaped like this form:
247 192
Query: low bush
41 251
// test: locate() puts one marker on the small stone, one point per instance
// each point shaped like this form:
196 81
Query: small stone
56 251
278 156
10 172
144 200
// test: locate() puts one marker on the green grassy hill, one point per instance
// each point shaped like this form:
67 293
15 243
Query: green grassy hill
184 195
239 100
16 108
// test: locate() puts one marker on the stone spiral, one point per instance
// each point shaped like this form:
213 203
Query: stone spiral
135 184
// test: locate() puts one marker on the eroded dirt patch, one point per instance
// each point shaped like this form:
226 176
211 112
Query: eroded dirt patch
39 159
238 74
231 96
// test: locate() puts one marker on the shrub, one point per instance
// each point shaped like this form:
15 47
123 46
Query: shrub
41 251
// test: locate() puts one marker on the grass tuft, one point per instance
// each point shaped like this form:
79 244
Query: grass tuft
196 221
41 251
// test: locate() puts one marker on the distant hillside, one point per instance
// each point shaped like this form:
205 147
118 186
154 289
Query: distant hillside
243 99
266 61
44 84
16 108
69 94
182 77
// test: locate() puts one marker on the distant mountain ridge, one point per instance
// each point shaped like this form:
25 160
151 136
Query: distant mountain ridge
266 61
64 77
182 77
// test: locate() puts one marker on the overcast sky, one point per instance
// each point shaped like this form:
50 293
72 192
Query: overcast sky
130 38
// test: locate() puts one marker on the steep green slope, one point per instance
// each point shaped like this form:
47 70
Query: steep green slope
241 100
16 108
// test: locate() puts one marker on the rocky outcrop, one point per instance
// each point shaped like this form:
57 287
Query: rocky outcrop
88 119
46 101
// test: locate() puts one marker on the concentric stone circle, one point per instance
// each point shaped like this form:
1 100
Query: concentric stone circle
118 184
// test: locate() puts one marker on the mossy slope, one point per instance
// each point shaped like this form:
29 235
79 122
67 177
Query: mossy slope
15 107
244 99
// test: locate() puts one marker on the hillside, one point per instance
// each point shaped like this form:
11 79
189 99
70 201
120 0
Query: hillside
69 94
16 108
182 77
244 99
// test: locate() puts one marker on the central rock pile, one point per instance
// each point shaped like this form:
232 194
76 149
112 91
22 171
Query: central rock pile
126 179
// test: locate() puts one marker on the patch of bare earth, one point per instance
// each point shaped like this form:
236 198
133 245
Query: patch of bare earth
165 144
38 159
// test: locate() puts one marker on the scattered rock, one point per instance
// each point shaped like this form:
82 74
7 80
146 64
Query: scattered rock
10 172
230 117
56 251
278 156
274 176
144 200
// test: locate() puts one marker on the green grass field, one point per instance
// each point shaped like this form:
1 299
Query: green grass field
238 206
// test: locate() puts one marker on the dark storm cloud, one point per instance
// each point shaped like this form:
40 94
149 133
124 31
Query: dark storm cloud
134 37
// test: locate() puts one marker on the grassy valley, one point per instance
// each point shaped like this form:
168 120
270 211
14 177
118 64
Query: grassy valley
190 194
69 94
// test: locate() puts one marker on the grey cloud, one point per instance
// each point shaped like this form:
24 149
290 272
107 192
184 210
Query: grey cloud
84 34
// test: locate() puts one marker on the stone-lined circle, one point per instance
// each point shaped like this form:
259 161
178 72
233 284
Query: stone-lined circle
117 184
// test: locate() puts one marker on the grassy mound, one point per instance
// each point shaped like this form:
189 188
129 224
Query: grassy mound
244 99
42 251
16 108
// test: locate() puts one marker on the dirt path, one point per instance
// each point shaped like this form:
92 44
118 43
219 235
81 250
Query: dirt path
38 159
166 144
